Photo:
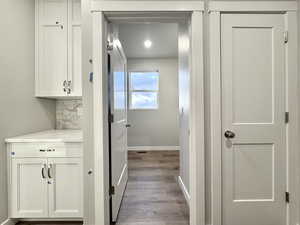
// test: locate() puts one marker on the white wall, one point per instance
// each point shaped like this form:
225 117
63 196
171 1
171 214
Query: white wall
184 101
298 194
20 112
156 127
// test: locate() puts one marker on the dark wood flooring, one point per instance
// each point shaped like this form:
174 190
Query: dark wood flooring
152 196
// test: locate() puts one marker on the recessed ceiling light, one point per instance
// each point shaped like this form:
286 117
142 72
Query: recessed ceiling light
148 43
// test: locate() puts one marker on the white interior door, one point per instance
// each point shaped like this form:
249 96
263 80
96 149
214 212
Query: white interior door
118 108
65 187
253 109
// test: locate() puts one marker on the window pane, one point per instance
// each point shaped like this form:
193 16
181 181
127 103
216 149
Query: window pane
119 81
144 100
119 90
144 81
119 100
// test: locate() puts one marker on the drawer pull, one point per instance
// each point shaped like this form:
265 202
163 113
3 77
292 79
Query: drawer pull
49 171
42 150
43 171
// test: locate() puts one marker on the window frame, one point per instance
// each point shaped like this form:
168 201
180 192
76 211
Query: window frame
131 90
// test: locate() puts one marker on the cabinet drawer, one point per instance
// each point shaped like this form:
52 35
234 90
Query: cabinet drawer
21 150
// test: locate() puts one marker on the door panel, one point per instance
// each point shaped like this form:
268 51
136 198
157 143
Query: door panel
65 189
252 82
29 188
253 107
118 108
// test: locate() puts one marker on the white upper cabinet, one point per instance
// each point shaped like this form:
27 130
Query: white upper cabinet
74 74
58 48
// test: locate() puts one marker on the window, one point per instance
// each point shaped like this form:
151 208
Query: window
143 90
120 91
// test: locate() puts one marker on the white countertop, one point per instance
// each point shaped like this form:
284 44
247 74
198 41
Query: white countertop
49 136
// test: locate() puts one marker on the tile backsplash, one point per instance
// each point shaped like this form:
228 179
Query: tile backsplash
69 114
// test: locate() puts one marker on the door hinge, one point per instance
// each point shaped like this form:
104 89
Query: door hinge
287 197
287 117
111 118
91 76
109 46
286 36
112 190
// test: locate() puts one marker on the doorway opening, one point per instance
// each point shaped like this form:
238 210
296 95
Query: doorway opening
148 70
103 14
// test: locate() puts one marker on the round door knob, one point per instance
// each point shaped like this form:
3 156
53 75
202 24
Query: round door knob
229 134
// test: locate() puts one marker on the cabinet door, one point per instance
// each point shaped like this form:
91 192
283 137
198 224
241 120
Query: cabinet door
29 188
52 58
65 189
74 64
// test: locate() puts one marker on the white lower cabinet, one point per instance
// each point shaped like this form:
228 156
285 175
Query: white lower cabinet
65 189
29 189
45 187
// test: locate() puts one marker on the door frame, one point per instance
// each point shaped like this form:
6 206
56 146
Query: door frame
289 10
94 94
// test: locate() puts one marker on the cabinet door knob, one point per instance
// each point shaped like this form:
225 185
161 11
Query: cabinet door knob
69 83
65 85
49 171
43 171
229 134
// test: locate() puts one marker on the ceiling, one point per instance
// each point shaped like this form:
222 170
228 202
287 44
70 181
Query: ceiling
162 35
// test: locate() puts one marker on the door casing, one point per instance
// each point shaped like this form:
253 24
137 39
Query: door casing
288 9
96 183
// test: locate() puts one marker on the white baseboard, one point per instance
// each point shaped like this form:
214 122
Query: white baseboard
184 190
50 220
153 148
9 222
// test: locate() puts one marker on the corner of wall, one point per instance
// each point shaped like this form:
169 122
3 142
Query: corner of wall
9 222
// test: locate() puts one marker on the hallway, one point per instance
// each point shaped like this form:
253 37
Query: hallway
153 196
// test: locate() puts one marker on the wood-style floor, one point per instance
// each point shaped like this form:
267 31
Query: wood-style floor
49 223
152 196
